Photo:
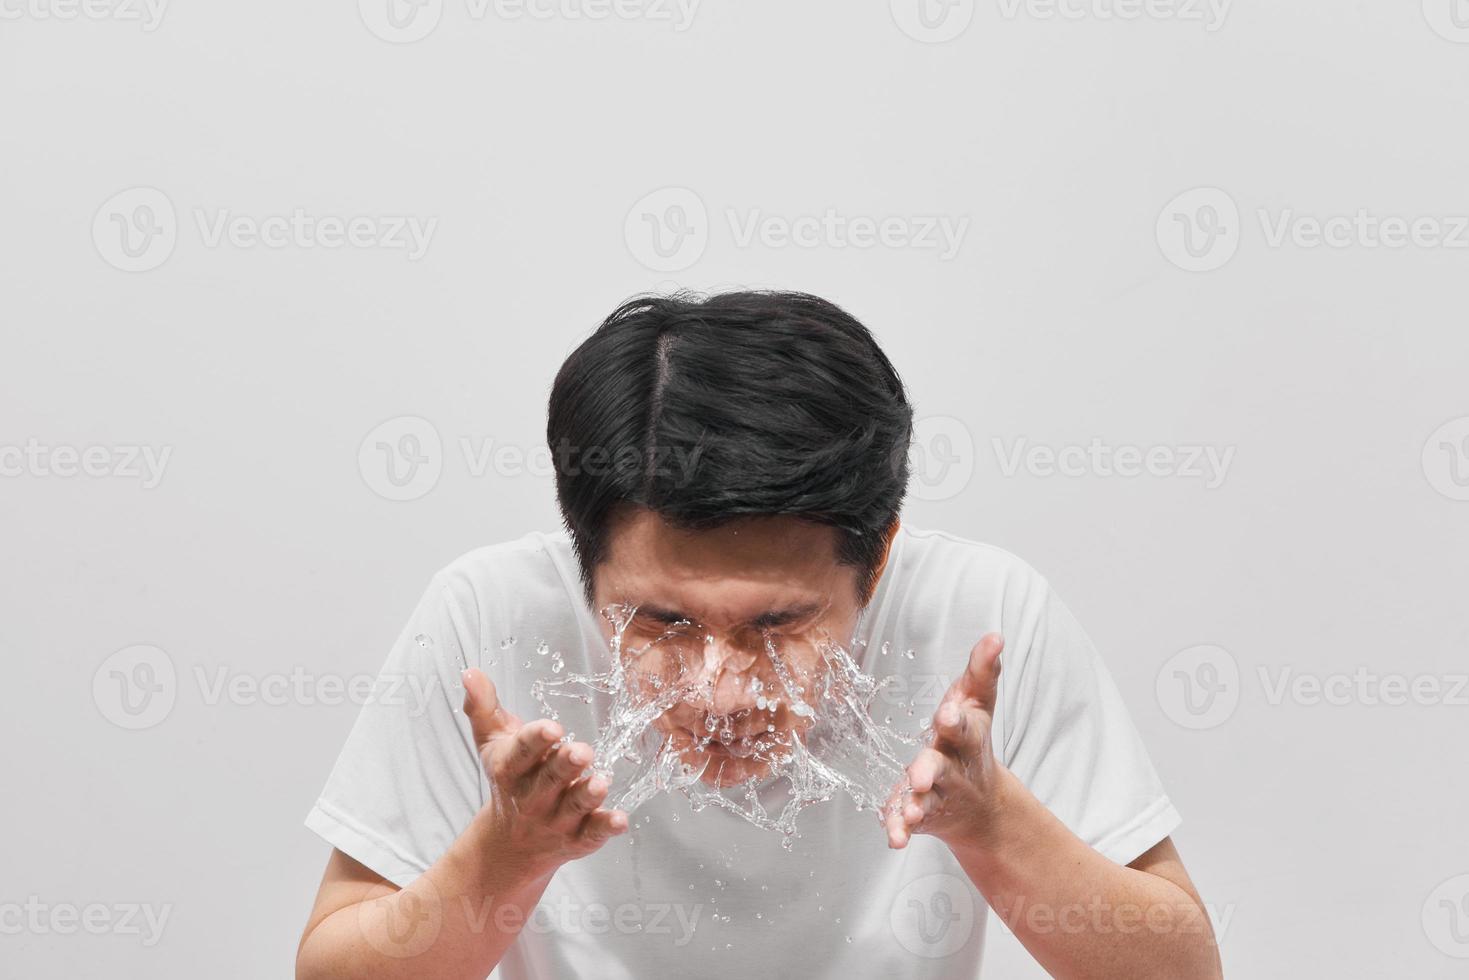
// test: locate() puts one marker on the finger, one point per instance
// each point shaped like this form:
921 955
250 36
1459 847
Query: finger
958 729
927 771
601 825
579 800
557 771
981 679
527 748
487 719
897 828
918 808
893 820
891 817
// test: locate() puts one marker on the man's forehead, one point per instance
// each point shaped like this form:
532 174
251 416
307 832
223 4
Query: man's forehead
740 572
749 546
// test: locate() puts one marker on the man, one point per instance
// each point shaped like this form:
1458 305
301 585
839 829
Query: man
730 471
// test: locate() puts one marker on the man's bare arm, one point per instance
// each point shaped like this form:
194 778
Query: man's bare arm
1078 913
458 917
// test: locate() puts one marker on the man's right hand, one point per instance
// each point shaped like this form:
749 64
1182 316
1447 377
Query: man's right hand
541 806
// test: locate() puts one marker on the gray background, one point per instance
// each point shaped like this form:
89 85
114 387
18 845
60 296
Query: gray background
1330 835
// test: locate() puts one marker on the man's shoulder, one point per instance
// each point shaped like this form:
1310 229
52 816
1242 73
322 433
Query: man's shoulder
535 560
927 551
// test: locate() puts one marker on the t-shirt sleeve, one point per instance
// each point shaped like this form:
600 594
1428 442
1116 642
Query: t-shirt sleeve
408 781
1069 739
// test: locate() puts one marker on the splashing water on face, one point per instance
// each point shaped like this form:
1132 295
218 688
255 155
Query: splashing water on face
836 746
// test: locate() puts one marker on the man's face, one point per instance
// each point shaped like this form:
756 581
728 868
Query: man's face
723 613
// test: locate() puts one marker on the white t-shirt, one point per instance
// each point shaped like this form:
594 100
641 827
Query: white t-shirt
707 894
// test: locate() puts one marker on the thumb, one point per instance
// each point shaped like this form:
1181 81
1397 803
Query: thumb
981 679
482 707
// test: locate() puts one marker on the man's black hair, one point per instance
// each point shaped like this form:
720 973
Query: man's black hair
708 409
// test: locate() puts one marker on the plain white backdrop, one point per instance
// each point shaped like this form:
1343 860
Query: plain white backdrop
1097 237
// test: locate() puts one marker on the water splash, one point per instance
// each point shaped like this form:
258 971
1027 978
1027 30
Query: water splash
835 747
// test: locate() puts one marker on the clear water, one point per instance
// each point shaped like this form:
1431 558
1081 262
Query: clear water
841 751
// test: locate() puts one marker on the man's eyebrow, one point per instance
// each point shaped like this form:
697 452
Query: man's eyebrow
766 620
661 614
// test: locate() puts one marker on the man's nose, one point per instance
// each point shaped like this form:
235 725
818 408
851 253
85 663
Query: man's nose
727 670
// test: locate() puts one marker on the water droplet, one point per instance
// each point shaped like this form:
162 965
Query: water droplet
507 643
